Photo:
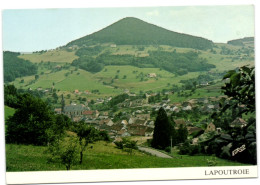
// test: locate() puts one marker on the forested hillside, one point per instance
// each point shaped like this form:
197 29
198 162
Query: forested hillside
177 63
241 42
16 67
133 31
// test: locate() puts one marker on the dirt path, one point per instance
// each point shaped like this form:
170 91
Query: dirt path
153 152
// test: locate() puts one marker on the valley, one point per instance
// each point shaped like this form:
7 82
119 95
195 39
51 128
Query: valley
118 79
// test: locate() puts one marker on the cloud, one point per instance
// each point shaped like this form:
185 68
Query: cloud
153 13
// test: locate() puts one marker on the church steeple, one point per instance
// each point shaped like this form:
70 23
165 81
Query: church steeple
62 103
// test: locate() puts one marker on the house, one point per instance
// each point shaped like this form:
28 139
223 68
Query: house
203 100
137 130
140 122
77 118
204 84
91 114
195 141
104 127
179 122
152 75
102 117
123 132
143 116
115 128
210 128
87 92
57 110
192 101
124 122
219 130
57 67
185 104
137 102
110 123
175 109
104 121
187 108
150 124
105 113
194 129
149 132
211 106
131 120
167 108
238 123
113 45
207 108
74 110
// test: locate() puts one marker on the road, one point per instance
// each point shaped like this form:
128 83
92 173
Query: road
153 152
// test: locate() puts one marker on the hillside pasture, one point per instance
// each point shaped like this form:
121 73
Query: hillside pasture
129 77
60 56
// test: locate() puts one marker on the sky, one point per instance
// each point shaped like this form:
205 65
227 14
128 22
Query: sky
26 30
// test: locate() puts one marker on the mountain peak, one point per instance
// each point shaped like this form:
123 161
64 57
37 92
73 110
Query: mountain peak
134 31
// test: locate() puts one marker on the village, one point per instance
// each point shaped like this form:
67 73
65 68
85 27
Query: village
137 116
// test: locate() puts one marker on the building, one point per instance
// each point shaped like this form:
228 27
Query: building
238 123
210 128
143 116
74 110
152 75
91 114
179 122
57 110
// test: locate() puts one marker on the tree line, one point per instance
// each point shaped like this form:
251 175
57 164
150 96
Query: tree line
16 67
177 63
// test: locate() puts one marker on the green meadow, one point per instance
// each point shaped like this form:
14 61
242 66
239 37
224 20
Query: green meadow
8 111
60 56
102 156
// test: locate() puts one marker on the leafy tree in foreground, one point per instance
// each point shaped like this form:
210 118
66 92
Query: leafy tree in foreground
240 90
86 135
163 130
30 122
57 130
64 151
127 145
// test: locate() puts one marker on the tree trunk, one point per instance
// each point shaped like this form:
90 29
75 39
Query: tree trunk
81 157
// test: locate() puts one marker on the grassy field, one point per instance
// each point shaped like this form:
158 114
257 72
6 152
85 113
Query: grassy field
102 156
82 80
52 56
202 92
8 111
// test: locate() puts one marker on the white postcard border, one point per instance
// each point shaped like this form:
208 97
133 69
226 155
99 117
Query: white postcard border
152 174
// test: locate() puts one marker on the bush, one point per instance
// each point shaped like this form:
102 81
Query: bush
184 148
168 149
194 149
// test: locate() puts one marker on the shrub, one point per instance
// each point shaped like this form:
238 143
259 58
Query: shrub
168 149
